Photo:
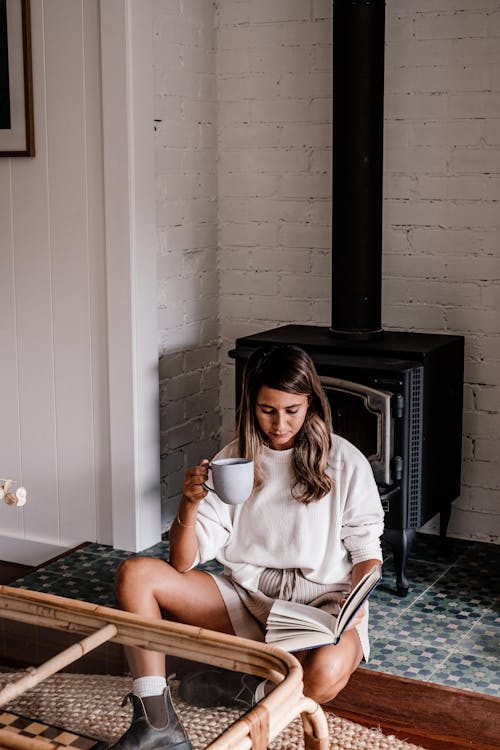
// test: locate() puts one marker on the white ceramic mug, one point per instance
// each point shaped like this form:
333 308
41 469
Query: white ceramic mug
232 479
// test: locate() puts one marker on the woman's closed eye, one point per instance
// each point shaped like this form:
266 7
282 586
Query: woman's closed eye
267 410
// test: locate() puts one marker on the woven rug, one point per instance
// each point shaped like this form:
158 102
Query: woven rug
91 705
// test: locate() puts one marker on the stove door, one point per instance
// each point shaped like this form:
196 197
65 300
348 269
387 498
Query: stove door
362 415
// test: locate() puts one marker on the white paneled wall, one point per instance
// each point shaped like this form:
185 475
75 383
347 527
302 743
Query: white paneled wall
53 395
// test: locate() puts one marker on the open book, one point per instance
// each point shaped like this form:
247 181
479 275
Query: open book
293 626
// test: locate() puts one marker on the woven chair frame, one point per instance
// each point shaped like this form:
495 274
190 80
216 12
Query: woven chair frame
99 624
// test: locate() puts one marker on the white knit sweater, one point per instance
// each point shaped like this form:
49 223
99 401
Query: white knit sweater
272 530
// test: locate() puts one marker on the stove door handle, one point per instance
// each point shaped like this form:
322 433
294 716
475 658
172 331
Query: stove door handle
386 496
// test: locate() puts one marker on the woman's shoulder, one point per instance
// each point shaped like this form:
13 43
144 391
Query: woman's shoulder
345 451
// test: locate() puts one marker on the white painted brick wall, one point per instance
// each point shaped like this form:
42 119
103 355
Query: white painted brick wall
273 71
243 134
442 190
185 128
441 236
444 120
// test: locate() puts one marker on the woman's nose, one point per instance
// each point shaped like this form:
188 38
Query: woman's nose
279 421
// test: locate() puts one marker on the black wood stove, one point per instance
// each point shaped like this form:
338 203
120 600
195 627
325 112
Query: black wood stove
398 399
396 395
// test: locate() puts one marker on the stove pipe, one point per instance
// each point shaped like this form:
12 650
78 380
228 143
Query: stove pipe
358 113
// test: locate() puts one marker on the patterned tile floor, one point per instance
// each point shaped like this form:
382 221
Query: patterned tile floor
446 631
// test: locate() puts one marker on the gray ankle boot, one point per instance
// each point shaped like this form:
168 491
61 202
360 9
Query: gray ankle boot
142 735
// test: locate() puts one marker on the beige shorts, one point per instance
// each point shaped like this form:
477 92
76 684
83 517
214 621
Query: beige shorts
249 610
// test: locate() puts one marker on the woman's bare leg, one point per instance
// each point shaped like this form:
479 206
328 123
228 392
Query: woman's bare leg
327 669
149 587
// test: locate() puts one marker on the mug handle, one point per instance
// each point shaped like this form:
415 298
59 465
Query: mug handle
204 484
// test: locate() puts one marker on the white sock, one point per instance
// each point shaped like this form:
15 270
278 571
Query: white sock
154 684
262 690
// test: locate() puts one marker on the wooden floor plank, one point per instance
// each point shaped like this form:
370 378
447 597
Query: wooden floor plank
10 571
421 737
436 716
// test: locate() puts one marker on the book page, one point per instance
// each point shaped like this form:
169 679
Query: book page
302 641
293 616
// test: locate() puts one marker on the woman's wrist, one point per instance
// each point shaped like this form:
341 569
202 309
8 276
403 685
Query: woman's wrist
184 525
186 513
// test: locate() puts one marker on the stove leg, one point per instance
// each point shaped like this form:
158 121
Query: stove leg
400 541
444 517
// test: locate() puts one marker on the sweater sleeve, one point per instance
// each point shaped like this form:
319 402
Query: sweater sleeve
363 517
213 527
214 520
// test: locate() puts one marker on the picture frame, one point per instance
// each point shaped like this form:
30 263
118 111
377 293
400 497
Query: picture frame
16 81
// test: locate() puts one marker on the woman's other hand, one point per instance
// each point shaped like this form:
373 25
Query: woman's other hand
358 571
357 618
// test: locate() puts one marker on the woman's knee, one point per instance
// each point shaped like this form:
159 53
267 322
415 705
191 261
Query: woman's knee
326 675
323 681
137 573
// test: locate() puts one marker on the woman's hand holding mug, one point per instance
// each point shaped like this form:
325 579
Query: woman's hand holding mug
194 478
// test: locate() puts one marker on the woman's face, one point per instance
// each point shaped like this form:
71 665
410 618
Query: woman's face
280 416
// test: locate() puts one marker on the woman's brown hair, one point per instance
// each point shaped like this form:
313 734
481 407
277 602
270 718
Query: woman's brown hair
289 369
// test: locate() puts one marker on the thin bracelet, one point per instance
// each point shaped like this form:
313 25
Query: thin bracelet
185 525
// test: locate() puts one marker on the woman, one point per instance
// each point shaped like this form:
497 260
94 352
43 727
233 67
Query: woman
309 531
